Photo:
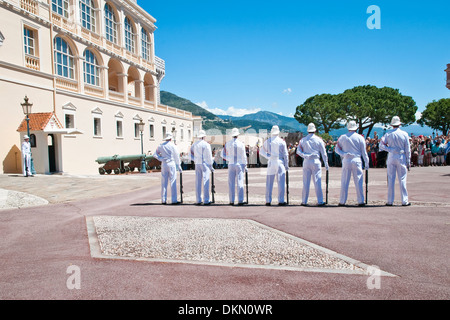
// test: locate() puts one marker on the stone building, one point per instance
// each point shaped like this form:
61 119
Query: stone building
90 71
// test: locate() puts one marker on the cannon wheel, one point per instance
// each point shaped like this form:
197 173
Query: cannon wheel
116 171
101 171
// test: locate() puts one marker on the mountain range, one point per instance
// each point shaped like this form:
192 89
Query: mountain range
262 120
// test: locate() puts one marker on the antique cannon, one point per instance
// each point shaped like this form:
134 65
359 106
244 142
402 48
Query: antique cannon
121 164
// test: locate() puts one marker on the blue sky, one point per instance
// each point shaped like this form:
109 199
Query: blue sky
239 57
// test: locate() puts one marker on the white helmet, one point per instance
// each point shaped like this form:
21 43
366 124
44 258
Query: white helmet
395 121
351 126
235 132
168 136
26 137
275 131
201 134
311 128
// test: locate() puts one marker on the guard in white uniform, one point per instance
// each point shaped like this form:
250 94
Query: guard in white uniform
397 144
169 156
275 150
351 147
234 153
26 157
202 156
310 148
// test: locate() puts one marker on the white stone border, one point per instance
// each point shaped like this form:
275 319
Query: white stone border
97 253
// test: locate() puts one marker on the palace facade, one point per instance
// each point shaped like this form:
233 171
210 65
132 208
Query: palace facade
89 69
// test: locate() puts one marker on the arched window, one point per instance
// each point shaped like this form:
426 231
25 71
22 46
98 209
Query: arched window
87 14
129 35
64 60
146 44
61 7
110 24
91 69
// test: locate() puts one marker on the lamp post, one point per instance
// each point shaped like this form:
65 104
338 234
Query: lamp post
26 107
141 129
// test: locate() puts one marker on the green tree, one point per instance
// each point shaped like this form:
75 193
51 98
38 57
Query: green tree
323 110
437 115
369 105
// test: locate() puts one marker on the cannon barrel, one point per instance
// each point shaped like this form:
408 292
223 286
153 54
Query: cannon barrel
129 158
126 158
101 160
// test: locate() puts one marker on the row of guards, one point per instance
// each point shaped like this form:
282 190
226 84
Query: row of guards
351 147
274 149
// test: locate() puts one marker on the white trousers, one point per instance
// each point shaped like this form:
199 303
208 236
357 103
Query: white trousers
235 174
202 182
396 166
352 166
26 161
275 168
312 168
168 176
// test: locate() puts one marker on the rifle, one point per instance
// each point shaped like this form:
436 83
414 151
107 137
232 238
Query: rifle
327 180
287 187
246 185
181 186
213 187
367 185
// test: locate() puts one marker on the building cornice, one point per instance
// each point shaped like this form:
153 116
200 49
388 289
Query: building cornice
122 105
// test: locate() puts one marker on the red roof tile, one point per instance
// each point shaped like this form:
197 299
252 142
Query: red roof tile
38 121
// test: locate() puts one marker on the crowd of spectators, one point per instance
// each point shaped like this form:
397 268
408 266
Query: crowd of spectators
425 151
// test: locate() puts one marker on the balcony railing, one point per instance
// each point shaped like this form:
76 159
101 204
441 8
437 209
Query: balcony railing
63 23
30 6
160 63
116 96
93 90
32 62
67 84
91 36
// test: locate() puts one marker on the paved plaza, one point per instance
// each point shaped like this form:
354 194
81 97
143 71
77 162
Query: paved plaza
124 244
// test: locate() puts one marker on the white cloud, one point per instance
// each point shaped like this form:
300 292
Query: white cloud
231 111
418 115
287 91
202 104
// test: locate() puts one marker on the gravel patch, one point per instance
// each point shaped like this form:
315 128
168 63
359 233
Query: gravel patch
232 242
14 199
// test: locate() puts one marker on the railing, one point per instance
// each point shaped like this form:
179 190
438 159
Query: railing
63 22
30 6
132 56
93 90
160 63
149 104
134 100
114 48
91 36
67 84
116 96
32 62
